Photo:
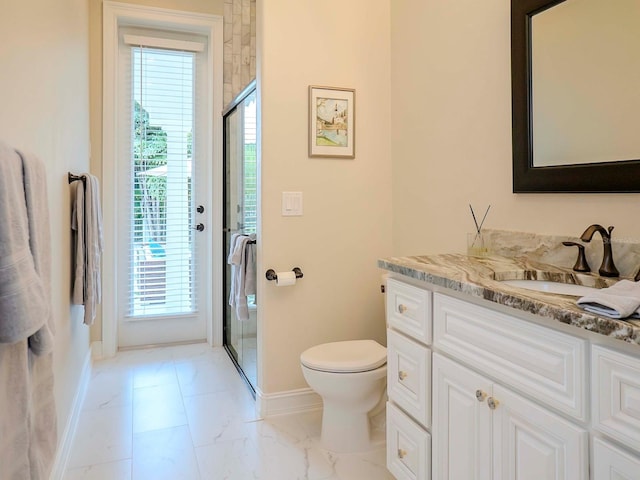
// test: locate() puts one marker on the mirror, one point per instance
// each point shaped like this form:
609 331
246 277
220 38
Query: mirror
575 95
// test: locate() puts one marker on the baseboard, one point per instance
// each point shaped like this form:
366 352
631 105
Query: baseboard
66 441
283 403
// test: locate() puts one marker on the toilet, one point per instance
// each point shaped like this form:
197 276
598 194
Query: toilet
350 377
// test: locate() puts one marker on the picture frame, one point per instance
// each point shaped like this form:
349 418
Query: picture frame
332 122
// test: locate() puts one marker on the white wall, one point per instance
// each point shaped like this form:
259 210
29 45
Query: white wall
451 134
45 110
346 224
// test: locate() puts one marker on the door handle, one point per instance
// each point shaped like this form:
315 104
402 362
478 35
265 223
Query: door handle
199 227
200 209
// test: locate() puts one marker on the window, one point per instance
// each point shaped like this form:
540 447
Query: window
161 250
160 162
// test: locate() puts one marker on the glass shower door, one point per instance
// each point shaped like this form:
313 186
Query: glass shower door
240 216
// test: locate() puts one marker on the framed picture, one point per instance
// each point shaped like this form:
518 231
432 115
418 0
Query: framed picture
332 122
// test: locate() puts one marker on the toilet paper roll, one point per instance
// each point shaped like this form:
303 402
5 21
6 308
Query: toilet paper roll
285 279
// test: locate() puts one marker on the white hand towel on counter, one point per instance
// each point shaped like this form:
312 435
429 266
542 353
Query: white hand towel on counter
621 300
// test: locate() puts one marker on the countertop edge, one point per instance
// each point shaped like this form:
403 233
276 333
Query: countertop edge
460 275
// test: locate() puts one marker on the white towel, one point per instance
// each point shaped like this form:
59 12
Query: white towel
242 260
77 227
232 258
621 300
25 304
87 223
28 432
250 266
37 201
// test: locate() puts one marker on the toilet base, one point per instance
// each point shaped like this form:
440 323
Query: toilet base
344 430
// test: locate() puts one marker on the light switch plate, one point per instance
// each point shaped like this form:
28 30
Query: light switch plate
291 204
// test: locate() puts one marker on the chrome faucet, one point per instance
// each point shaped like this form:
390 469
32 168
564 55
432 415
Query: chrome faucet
607 269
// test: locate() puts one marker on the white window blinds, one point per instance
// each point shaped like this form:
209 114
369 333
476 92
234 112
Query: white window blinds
161 238
250 177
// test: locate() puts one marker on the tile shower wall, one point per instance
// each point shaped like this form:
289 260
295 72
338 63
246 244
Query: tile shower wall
239 46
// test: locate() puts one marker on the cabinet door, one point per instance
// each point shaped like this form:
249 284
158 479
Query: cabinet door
461 423
531 443
612 463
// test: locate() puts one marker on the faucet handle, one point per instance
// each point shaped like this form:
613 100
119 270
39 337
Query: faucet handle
581 263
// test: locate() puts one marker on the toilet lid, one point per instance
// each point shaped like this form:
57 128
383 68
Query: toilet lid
350 356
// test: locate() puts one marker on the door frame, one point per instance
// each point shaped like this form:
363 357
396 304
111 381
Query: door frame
117 14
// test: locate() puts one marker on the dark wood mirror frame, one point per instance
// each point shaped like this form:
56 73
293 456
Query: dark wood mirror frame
623 176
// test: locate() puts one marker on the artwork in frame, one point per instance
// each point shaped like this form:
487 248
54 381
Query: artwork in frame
332 122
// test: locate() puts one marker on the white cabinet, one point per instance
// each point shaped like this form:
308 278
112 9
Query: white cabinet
612 463
409 310
409 376
547 365
461 423
616 392
408 446
409 313
482 430
530 442
480 394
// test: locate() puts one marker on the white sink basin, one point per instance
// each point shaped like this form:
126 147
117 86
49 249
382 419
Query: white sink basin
551 287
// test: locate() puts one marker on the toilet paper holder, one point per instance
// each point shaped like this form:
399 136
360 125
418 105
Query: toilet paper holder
272 275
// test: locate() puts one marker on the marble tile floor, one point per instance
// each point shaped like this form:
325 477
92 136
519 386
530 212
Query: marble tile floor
183 412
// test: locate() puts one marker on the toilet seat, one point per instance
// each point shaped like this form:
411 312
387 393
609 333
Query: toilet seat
345 357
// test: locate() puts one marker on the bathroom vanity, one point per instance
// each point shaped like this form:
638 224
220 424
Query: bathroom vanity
487 380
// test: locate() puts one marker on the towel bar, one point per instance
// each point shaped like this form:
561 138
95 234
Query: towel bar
75 178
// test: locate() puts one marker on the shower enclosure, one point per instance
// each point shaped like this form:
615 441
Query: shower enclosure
240 216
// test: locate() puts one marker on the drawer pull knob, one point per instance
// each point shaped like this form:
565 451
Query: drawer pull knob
402 308
402 375
480 395
402 453
492 403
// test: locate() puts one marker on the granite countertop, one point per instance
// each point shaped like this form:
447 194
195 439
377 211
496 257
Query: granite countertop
481 277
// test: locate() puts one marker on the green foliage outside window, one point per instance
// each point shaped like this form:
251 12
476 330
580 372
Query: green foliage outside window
149 192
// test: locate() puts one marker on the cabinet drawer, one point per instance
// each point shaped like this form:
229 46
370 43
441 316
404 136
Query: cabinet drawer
408 447
612 463
616 391
409 376
409 310
543 363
